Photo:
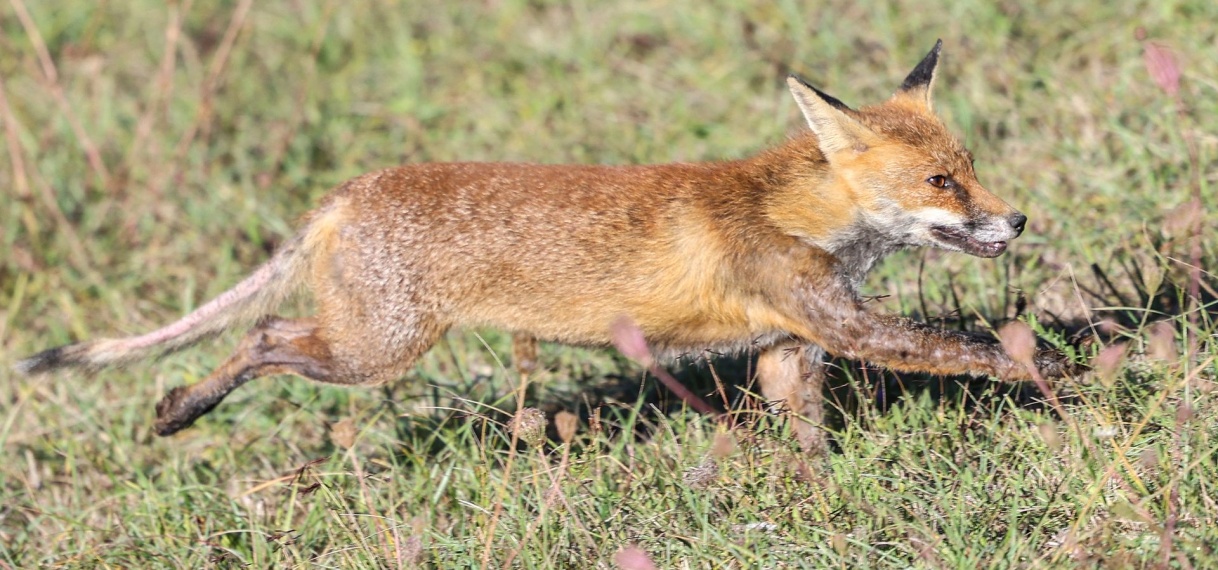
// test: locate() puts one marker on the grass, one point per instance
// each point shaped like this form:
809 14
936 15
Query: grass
158 153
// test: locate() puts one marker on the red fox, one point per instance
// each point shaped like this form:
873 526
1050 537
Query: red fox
763 253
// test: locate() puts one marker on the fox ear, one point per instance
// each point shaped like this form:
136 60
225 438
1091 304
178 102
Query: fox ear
826 116
918 83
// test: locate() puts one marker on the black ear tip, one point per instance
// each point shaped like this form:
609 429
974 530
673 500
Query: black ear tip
831 100
934 52
924 73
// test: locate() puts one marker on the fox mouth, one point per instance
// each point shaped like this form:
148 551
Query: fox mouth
957 239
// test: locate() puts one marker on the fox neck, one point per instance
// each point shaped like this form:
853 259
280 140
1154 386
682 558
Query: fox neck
807 201
858 250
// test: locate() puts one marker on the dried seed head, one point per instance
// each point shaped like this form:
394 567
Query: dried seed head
1149 458
839 543
343 433
723 446
566 423
633 558
411 554
1161 344
1048 432
1184 413
594 422
628 338
701 475
1179 223
1108 363
1109 325
529 426
1161 63
1019 341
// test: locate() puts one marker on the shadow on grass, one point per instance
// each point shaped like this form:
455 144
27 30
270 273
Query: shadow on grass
636 405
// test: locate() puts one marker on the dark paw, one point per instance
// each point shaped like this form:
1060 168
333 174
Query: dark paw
179 409
1052 363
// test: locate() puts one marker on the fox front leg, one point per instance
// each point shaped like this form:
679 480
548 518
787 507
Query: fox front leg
1049 362
792 375
837 322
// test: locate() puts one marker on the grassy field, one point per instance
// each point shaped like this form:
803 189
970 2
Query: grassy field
154 155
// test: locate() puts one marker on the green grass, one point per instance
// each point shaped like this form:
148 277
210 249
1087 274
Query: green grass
205 167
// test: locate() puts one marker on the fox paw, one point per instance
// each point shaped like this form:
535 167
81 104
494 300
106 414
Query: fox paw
1053 363
179 409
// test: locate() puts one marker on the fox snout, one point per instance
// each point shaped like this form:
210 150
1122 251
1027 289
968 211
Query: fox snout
985 237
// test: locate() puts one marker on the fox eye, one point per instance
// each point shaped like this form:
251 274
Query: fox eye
940 181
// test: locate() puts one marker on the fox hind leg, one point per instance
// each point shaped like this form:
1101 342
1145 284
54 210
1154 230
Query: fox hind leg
288 346
274 346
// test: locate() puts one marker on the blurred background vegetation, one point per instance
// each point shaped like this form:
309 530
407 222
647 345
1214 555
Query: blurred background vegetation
155 152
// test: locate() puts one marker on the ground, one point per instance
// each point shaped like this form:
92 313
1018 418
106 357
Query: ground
156 152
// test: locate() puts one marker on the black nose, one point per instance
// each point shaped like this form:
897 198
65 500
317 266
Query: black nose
1017 221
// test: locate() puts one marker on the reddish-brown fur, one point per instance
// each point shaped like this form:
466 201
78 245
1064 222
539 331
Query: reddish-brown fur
762 253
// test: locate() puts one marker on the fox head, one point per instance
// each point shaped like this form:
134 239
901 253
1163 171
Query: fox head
909 177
